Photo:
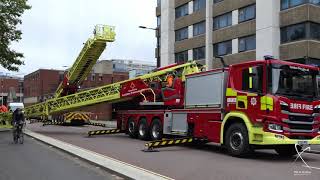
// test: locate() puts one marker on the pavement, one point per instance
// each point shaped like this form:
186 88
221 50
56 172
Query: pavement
34 160
186 162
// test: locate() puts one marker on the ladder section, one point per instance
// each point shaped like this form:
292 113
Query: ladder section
87 58
108 93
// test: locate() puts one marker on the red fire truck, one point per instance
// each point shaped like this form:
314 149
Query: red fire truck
257 104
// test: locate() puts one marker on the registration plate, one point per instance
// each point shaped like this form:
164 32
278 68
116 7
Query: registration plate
303 142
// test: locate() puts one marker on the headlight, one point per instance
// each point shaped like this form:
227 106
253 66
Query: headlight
282 103
316 109
284 106
275 127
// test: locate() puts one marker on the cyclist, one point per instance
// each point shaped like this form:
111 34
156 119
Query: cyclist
18 121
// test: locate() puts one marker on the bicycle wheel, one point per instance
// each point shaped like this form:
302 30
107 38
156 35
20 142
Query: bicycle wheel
15 137
21 138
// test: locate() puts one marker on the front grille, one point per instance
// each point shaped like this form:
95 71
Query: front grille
301 123
300 126
301 118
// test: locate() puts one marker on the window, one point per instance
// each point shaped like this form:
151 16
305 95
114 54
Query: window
181 57
247 13
252 79
158 21
198 4
199 53
93 77
182 10
222 21
286 4
307 60
316 2
293 33
247 43
216 1
223 48
308 30
199 28
315 31
182 34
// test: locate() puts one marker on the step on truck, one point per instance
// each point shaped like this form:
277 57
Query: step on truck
257 104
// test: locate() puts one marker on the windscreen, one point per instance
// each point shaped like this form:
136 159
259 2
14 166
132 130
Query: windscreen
293 81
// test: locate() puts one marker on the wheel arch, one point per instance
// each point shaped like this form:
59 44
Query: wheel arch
234 117
140 119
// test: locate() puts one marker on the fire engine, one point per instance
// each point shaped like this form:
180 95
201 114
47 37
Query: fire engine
256 104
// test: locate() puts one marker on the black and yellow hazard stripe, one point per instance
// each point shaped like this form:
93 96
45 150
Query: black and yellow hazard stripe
53 123
168 142
97 124
76 116
102 132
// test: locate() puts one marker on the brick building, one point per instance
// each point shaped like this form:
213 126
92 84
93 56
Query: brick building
11 89
42 84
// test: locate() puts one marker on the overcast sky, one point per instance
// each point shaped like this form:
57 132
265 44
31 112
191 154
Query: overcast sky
54 30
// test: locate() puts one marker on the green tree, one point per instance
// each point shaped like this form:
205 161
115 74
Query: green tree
10 14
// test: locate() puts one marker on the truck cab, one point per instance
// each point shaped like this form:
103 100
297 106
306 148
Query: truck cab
277 103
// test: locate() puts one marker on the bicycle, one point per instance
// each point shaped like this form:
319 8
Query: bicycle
18 135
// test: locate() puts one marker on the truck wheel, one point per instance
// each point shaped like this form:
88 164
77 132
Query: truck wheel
143 129
132 129
237 140
156 130
287 150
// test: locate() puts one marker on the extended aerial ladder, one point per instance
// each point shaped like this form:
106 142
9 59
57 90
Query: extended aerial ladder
109 93
87 58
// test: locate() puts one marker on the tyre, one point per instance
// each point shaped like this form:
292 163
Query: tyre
237 140
14 135
15 138
143 129
21 138
287 150
156 130
132 128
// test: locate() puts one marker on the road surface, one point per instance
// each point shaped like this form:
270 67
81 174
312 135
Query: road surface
37 161
188 163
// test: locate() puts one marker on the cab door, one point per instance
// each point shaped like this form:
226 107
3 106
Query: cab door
251 90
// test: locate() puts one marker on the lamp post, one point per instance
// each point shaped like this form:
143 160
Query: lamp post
158 41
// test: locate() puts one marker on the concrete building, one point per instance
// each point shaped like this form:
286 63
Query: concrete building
134 67
239 30
11 89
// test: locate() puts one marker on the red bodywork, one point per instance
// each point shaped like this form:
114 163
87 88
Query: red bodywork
206 122
68 88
